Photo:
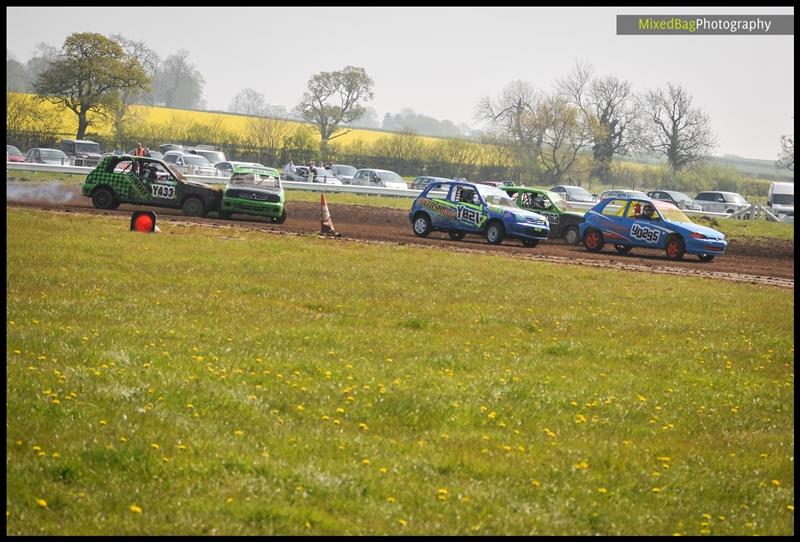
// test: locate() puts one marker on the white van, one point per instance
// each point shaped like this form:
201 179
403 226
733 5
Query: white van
780 198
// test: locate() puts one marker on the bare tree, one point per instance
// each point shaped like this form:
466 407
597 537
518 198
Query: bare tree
333 99
249 102
512 117
563 135
608 108
786 156
674 128
178 83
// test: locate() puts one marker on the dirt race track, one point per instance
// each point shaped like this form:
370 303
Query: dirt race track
745 261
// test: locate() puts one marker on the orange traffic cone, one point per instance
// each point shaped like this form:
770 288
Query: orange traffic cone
326 224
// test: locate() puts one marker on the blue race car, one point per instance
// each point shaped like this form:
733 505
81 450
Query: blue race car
460 208
644 222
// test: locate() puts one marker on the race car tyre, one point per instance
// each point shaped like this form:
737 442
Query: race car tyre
422 225
194 206
530 243
622 249
706 257
571 235
280 219
225 215
674 248
593 241
103 198
495 232
456 235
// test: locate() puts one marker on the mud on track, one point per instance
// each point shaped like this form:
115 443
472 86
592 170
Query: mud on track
745 261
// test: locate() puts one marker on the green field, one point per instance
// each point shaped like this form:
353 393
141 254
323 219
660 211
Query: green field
211 380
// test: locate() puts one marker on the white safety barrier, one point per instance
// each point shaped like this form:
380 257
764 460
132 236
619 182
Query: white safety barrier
321 187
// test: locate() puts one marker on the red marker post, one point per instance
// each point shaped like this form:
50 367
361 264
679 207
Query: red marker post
144 221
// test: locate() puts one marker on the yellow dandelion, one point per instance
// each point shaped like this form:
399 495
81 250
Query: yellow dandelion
325 418
602 490
365 461
123 438
536 483
402 522
155 446
238 433
103 422
656 490
135 509
582 465
42 503
362 426
383 470
229 500
391 500
56 455
790 507
776 483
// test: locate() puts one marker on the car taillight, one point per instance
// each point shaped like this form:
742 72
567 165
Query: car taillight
698 236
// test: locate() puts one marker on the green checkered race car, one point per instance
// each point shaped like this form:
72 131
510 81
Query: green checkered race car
563 221
123 178
254 190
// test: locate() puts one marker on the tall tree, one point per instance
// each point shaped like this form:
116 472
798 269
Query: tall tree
178 83
674 128
16 74
786 156
563 134
43 55
608 108
334 99
248 102
121 110
89 76
512 118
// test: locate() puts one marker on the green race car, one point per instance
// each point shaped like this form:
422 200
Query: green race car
563 221
254 190
123 178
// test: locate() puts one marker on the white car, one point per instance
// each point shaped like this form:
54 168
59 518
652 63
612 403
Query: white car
225 169
721 202
190 164
379 177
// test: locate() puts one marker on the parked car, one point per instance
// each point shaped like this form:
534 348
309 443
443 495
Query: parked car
620 193
300 175
225 169
563 222
573 193
648 223
678 199
13 154
150 153
39 155
166 147
254 190
721 202
344 172
81 152
190 164
780 198
498 183
459 208
421 182
212 155
379 177
121 179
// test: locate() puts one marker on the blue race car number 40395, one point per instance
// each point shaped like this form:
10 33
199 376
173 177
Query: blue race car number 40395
645 234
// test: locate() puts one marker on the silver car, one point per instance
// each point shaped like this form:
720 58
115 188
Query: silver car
190 164
721 202
678 199
379 177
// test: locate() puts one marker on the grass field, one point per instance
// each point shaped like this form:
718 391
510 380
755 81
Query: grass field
219 381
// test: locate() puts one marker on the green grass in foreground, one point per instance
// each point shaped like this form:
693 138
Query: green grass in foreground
214 380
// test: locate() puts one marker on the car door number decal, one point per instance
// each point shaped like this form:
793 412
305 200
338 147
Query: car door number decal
551 217
163 191
469 215
645 234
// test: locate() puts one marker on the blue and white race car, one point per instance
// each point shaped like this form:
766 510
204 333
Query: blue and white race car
460 208
644 222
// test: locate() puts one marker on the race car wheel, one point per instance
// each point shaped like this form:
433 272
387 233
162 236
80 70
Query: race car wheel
495 233
103 198
593 241
571 235
706 257
422 225
530 243
194 206
674 248
456 235
622 249
281 219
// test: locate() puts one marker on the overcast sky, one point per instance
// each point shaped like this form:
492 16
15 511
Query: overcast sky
441 61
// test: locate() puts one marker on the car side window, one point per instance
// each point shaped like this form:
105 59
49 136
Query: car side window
439 191
720 198
615 207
